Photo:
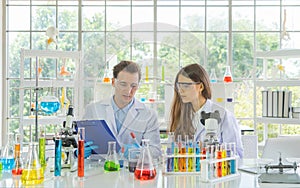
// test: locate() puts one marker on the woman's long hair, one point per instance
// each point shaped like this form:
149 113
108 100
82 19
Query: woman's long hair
181 115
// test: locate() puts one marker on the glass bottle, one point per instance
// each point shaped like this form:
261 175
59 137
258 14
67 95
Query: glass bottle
227 75
111 162
213 76
7 157
32 173
145 169
50 104
17 170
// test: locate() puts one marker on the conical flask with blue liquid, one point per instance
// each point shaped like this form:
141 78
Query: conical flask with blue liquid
7 157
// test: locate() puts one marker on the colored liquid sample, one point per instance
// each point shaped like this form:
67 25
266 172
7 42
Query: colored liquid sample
144 174
182 160
106 80
42 148
8 163
57 162
132 166
198 165
227 79
111 166
80 158
232 167
17 150
190 160
224 164
176 160
147 74
219 164
170 161
17 171
32 176
50 107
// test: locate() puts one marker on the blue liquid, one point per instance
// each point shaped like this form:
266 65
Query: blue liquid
232 167
8 163
213 81
57 165
50 107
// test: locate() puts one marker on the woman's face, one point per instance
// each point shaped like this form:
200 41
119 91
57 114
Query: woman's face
189 91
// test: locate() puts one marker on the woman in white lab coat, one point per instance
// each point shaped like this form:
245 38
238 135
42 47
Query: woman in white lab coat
124 114
192 96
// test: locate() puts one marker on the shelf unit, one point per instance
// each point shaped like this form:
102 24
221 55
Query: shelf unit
267 82
36 83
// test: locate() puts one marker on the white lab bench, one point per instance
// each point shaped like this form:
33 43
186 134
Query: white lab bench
96 177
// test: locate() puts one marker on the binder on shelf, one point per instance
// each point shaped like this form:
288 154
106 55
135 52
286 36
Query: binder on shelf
270 104
264 103
287 98
280 104
275 103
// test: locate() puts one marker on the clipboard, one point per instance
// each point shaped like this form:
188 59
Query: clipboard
98 132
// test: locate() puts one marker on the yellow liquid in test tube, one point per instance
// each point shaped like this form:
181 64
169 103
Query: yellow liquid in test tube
147 74
42 156
32 176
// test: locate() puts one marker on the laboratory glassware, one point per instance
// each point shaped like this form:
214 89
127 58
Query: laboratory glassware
111 161
7 157
42 145
213 76
50 104
81 138
18 164
144 168
32 173
57 163
227 75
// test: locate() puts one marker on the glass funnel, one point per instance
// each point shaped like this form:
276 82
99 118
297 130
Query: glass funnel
112 161
144 168
50 104
32 173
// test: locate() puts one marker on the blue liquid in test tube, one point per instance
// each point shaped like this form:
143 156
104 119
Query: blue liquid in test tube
57 165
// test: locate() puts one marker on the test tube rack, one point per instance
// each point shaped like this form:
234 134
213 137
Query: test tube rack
210 170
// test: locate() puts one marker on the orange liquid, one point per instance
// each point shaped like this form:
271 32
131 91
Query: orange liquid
106 80
144 174
219 164
17 171
227 79
81 158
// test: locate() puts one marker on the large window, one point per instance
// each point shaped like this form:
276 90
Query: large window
159 35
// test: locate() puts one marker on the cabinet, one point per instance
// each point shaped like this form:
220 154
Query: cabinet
272 79
39 75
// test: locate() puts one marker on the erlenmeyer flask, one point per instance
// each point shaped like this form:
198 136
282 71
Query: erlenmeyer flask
227 75
50 104
32 173
144 168
111 162
7 157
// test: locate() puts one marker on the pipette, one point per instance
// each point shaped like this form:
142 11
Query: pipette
134 138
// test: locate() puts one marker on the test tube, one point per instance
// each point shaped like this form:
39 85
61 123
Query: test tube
233 161
81 137
57 163
224 163
218 164
176 161
197 161
42 146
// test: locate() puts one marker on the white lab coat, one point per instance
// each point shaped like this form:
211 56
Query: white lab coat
140 120
229 129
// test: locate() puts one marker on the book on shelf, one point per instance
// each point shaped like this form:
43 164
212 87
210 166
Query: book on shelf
264 103
287 101
275 103
280 104
270 103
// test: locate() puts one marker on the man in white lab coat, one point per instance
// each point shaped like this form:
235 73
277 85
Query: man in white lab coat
124 114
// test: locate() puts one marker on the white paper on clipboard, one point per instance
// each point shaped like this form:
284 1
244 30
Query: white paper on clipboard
98 132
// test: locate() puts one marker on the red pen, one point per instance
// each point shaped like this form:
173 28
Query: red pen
134 138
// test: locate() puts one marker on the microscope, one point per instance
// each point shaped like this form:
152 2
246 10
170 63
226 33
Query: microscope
68 135
211 122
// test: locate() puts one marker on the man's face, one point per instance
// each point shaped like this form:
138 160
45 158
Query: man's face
126 85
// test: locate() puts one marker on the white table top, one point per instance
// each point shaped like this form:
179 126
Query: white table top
96 177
